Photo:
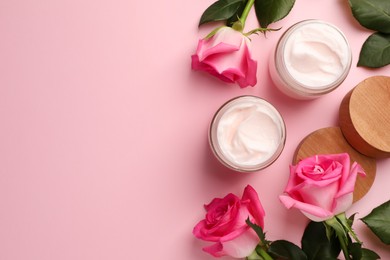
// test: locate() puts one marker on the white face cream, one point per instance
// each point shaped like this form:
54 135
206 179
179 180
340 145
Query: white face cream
247 134
312 58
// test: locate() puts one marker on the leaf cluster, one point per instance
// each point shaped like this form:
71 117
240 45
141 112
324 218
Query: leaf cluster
373 15
325 240
267 11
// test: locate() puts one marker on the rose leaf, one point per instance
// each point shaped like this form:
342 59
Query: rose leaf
372 14
220 10
316 244
259 231
237 15
283 249
269 11
379 222
357 252
368 254
375 51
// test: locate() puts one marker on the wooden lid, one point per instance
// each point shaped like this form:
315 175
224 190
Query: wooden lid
330 140
365 117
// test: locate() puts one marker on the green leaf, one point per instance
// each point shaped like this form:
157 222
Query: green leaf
259 232
379 222
269 11
316 244
375 51
372 14
283 249
351 219
356 252
368 254
234 17
220 10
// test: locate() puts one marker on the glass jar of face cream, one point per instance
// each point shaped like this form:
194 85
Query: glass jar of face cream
247 134
312 58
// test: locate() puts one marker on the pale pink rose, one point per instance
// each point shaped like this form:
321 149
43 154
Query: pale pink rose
322 186
225 225
227 55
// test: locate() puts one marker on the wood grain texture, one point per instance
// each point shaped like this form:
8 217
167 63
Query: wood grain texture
330 140
364 117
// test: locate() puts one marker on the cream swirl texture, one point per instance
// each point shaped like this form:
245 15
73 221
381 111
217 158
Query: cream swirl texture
316 54
249 133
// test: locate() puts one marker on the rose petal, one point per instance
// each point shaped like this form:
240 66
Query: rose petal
250 68
349 184
215 250
197 65
344 159
238 231
232 74
320 183
222 215
254 207
344 198
313 212
219 49
227 55
225 224
320 196
240 247
341 204
293 180
225 61
322 186
225 34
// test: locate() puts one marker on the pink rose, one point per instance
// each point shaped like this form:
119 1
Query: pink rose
227 55
322 186
225 224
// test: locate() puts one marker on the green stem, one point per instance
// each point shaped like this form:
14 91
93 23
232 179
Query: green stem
344 247
344 221
253 256
246 12
264 254
341 233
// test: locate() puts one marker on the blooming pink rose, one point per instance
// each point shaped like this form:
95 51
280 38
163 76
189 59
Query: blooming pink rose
227 55
322 186
225 224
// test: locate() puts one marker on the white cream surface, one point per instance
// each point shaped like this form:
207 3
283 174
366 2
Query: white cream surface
316 54
249 133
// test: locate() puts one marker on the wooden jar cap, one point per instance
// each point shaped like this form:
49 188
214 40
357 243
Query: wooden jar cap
365 117
330 140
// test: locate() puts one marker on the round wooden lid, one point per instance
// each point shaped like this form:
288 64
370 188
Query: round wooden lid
364 117
330 140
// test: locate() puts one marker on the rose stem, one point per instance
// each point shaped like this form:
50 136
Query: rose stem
344 247
245 13
264 254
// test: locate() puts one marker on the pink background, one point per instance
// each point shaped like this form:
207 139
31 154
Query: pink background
103 138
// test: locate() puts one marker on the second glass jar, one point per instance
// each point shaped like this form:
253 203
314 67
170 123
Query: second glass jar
312 58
